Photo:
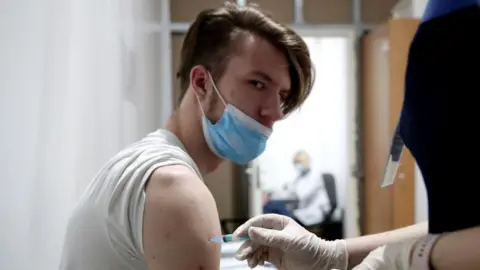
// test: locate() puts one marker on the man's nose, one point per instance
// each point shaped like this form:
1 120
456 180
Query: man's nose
272 110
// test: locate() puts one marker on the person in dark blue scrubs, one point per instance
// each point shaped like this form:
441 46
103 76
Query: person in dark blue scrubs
441 111
438 124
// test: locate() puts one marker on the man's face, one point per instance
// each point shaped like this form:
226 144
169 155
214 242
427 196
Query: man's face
256 81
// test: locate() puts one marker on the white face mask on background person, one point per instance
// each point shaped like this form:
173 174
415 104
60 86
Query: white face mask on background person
299 167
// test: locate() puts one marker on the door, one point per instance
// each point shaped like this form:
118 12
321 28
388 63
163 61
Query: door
385 59
321 127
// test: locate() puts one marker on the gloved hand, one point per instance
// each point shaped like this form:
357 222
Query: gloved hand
287 245
394 256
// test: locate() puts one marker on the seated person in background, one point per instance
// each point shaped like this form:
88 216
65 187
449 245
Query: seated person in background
308 188
148 207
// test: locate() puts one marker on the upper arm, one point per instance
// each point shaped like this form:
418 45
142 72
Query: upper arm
457 250
180 217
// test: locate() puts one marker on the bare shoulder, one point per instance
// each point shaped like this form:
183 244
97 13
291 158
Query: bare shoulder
180 194
177 178
180 216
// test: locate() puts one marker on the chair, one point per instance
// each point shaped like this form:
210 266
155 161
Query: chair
331 189
329 228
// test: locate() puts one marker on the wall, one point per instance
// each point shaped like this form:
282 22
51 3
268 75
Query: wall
418 7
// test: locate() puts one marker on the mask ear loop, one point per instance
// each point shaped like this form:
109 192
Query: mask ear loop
216 89
200 105
205 118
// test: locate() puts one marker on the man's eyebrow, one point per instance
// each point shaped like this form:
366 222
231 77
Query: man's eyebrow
266 77
262 74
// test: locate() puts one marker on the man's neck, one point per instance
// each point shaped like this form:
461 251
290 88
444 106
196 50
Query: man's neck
189 131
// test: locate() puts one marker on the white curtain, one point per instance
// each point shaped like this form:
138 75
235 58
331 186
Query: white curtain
79 80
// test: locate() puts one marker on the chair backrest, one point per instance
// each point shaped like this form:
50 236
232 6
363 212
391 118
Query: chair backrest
331 189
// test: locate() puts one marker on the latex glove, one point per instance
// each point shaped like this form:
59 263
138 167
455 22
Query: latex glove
287 245
396 256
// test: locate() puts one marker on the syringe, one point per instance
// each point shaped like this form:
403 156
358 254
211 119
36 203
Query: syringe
228 238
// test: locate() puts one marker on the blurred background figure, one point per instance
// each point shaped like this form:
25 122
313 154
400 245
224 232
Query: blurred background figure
309 191
310 199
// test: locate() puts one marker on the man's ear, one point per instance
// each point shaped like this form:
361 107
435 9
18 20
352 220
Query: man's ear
199 81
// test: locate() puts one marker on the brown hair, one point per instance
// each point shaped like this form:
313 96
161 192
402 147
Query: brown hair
209 42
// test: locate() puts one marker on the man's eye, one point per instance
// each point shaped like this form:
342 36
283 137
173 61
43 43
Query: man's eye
284 96
257 84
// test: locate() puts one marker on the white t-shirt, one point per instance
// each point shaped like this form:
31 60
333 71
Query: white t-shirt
105 230
313 202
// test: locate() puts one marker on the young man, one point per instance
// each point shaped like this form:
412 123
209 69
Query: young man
148 208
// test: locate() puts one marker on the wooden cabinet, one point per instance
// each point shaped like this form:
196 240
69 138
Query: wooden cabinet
385 53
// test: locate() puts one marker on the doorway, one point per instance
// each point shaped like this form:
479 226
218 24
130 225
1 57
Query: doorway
324 129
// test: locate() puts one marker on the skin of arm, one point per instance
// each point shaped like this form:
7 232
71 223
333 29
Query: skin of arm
359 247
179 219
457 250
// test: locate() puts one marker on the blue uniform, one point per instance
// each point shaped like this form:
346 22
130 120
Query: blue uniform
441 111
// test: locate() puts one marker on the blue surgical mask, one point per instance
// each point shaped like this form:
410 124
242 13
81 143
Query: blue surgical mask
302 170
236 136
299 167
